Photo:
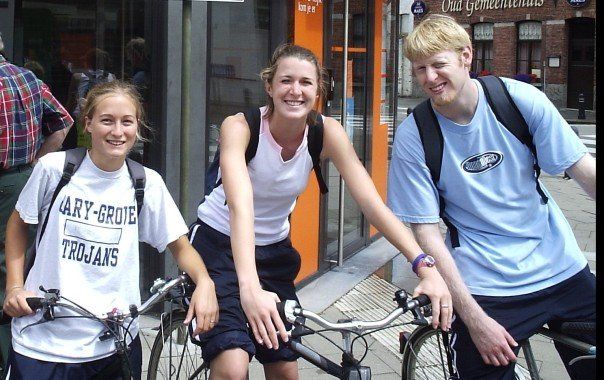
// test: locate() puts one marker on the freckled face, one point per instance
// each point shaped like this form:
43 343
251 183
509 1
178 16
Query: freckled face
294 88
443 75
113 128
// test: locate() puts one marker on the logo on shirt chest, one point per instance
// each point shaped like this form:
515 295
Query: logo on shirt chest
482 162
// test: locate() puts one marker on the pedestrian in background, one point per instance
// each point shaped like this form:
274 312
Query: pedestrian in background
32 123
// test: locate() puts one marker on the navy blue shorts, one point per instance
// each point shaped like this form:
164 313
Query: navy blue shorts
277 264
24 367
571 300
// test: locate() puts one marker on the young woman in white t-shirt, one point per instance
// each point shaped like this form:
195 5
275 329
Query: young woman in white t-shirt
89 250
243 227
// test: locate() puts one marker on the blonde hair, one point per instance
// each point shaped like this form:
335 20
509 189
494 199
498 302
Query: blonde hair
101 91
290 50
434 35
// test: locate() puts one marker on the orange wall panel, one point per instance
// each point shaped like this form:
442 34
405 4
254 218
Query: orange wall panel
308 32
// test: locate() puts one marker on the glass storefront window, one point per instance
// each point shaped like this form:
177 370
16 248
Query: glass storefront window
388 85
76 44
238 50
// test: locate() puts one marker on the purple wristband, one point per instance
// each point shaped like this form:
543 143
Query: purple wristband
416 262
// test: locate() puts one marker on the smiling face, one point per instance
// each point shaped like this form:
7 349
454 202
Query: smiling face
443 76
294 88
113 127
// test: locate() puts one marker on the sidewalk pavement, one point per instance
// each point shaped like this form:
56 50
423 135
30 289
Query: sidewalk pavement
357 288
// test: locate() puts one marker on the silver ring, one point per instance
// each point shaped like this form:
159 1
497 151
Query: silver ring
444 306
212 322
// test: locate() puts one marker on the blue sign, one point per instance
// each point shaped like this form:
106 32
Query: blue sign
419 8
577 3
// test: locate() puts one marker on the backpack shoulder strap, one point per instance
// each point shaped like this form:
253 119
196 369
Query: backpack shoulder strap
139 179
73 159
315 146
509 116
506 110
433 143
252 116
431 137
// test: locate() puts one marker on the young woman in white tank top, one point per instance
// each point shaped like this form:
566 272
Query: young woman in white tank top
255 216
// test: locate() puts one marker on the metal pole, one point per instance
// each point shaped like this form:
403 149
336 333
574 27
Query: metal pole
344 124
185 106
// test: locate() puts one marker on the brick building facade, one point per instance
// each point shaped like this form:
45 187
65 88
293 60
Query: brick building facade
551 42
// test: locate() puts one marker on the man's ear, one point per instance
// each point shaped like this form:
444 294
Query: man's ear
466 56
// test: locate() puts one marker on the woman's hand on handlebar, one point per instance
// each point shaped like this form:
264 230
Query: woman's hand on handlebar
432 284
260 307
15 303
203 306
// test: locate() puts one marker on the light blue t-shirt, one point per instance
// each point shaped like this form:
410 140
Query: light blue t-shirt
510 242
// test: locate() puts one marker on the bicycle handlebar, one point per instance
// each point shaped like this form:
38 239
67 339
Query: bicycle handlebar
290 310
160 289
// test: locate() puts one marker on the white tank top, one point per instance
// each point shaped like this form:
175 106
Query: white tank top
276 185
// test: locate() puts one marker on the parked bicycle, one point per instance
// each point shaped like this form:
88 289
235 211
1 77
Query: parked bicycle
350 368
426 353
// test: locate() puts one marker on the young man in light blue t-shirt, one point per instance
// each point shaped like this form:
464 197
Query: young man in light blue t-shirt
517 264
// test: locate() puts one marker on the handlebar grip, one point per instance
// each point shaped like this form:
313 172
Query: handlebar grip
281 310
422 300
587 328
34 303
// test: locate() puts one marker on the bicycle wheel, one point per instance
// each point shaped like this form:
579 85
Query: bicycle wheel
425 355
174 355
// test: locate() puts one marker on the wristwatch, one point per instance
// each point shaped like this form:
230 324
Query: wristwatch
423 260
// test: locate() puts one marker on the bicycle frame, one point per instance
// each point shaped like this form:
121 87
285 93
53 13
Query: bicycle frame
349 369
532 367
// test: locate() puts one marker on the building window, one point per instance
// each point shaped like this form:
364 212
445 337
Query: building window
528 59
483 49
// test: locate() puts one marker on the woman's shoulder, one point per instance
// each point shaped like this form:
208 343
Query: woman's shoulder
52 162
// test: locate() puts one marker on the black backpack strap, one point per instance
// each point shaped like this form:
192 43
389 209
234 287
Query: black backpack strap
315 146
73 159
252 116
509 116
432 141
137 174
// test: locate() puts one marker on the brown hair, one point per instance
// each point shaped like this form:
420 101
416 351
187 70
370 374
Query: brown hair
290 50
117 87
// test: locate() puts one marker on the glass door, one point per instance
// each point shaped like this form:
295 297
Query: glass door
342 212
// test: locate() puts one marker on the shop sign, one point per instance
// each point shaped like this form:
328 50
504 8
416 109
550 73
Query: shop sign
309 6
578 3
471 6
419 8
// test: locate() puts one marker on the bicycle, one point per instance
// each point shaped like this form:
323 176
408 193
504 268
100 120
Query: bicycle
117 323
174 354
426 353
350 368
